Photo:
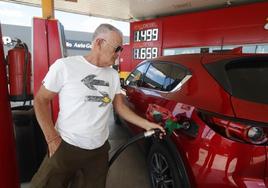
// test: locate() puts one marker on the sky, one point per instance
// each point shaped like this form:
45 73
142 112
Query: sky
17 14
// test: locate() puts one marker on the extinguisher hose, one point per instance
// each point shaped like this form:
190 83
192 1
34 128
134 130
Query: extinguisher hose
25 68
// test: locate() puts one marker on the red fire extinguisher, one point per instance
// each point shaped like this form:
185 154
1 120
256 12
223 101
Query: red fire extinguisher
19 70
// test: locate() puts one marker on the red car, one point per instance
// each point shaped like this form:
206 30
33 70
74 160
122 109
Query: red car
222 101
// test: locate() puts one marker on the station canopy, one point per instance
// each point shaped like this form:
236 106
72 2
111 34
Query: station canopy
132 10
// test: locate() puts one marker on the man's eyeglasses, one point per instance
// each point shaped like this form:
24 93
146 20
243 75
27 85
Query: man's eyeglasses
117 49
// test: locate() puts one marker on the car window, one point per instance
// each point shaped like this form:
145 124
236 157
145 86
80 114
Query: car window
163 76
156 75
136 76
249 80
245 78
175 77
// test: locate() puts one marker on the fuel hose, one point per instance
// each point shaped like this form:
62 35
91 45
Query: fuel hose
147 134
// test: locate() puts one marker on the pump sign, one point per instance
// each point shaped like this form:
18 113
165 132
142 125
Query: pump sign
146 40
6 40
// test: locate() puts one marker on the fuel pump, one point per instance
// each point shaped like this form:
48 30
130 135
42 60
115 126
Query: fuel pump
29 140
9 171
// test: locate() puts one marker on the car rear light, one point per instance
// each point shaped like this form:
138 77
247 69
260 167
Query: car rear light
257 135
236 130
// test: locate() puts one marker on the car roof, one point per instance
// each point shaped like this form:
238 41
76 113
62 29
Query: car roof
206 57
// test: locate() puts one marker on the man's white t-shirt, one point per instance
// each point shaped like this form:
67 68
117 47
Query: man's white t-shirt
85 93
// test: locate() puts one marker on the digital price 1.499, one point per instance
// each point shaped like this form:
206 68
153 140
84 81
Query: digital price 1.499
146 35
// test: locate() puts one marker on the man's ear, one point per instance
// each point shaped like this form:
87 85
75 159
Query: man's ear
98 43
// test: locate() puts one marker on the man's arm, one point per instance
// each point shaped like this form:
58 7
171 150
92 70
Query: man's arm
125 112
43 114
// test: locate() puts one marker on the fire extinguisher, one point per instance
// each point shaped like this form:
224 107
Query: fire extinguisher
19 70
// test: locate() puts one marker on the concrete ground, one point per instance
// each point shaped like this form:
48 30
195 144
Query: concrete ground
129 170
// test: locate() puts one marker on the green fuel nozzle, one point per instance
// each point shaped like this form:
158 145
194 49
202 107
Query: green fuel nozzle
165 117
170 122
171 125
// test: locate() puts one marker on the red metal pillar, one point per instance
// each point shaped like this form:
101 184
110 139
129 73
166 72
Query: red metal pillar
8 162
48 46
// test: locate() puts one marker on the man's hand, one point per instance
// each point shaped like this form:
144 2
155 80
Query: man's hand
42 108
54 145
151 125
124 111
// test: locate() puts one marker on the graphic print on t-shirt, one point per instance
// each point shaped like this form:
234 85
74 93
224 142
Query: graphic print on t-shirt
90 82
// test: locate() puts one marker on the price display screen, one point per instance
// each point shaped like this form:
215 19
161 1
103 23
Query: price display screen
146 35
146 40
145 53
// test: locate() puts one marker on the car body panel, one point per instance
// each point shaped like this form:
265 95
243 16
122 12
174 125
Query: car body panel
201 91
250 110
210 158
215 160
138 99
243 109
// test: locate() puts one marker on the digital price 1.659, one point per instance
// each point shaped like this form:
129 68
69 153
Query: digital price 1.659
145 53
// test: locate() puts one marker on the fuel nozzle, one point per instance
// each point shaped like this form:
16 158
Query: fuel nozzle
162 115
171 125
153 132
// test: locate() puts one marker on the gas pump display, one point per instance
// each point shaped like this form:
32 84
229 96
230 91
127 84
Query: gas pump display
182 34
146 40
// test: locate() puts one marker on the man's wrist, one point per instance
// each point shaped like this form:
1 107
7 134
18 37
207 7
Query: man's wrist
148 125
52 139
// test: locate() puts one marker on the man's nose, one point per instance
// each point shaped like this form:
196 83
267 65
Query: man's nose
117 54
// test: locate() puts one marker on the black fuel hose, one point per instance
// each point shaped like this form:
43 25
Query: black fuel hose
136 138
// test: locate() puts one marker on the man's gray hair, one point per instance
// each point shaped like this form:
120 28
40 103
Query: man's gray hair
105 28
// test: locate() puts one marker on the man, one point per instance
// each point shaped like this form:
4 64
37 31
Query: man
88 89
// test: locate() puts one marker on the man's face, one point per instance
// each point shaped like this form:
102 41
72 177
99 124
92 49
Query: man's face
110 48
